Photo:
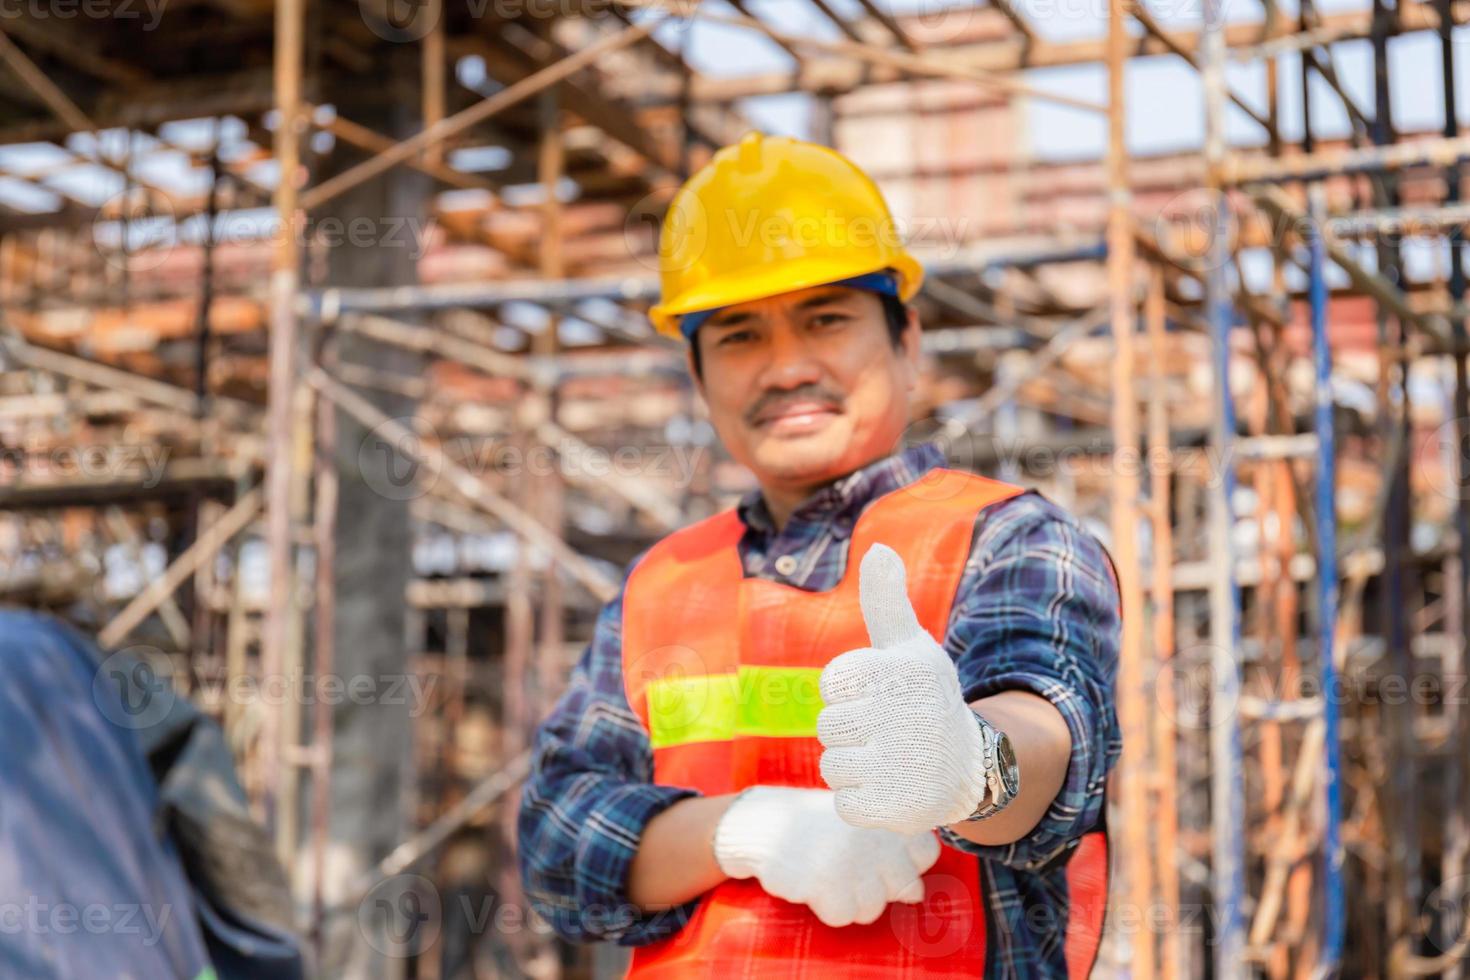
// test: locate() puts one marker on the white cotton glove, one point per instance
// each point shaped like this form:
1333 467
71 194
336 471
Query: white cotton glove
902 748
792 841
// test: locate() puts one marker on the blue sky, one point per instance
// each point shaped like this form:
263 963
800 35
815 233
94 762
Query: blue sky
1163 93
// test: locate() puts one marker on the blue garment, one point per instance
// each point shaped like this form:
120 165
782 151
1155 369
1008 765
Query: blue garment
89 888
1036 610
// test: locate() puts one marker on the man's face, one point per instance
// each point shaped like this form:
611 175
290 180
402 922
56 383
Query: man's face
806 386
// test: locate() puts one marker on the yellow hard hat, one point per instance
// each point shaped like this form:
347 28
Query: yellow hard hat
769 215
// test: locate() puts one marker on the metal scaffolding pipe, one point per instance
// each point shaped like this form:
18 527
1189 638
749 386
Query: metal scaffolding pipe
1438 152
1227 803
1327 591
328 304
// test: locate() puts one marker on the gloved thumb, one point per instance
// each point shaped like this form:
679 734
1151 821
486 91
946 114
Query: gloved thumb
884 598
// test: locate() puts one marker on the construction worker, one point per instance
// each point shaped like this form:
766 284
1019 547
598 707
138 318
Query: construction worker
859 724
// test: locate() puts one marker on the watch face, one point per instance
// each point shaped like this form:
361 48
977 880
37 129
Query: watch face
1009 773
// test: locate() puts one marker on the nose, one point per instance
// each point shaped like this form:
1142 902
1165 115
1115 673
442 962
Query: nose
791 362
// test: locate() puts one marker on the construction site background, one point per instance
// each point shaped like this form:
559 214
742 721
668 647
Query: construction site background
353 457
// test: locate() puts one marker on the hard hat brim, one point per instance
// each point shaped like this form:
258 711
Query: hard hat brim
775 280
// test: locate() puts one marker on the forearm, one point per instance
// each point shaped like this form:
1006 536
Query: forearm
1043 747
675 862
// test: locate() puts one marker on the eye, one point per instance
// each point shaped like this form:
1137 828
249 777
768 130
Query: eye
828 319
734 337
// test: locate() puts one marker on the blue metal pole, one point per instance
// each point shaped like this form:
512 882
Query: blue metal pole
1327 590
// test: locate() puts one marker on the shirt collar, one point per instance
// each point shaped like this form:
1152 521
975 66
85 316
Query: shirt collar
842 501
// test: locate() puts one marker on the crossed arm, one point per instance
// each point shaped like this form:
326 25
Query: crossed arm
675 862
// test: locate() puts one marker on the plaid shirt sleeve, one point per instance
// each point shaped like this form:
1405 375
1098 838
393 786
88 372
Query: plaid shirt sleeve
1037 611
585 804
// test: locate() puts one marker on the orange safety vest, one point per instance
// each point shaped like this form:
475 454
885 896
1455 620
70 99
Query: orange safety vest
723 670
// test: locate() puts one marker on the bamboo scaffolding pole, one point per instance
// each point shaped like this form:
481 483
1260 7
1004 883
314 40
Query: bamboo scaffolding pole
147 389
284 282
205 547
406 150
547 490
1123 497
46 90
836 20
434 63
295 756
1141 13
636 492
413 851
494 364
1457 834
927 64
1166 767
324 538
837 74
331 303
1282 209
464 482
1009 11
364 138
168 609
438 343
890 24
1285 848
1437 152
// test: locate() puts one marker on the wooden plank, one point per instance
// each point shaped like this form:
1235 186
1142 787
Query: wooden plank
205 547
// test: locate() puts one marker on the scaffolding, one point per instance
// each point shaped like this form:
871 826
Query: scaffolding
1285 504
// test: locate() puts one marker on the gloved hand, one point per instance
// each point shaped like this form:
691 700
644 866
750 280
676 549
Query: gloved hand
902 748
792 841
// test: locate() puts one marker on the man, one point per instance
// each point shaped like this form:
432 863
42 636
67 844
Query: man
860 724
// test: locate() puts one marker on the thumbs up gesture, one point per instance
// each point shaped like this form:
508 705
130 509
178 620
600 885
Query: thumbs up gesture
902 749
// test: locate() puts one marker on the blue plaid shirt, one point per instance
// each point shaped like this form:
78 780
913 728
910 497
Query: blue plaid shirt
1036 610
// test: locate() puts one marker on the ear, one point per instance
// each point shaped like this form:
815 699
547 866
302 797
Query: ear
689 366
912 345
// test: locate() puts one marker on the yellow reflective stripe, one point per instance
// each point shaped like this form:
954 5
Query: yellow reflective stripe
691 709
775 702
779 702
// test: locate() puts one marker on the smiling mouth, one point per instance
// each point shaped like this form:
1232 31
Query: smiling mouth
803 412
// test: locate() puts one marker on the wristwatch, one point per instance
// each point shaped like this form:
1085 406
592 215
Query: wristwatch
1002 775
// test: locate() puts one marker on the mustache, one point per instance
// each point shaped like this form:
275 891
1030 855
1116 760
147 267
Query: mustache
777 399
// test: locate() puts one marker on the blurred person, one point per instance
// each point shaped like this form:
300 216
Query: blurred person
126 847
861 723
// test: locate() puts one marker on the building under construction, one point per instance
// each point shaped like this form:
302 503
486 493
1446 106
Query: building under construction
324 352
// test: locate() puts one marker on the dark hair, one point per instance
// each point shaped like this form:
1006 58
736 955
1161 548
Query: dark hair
895 313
